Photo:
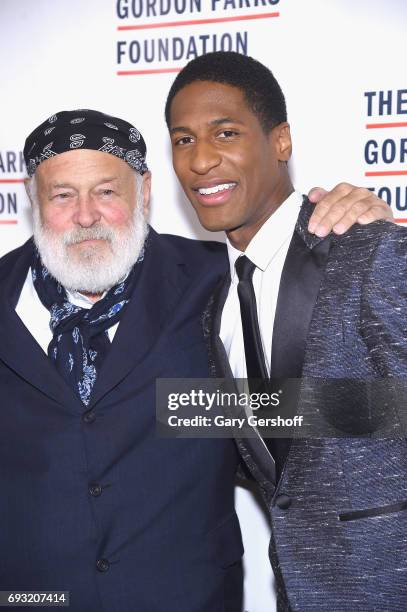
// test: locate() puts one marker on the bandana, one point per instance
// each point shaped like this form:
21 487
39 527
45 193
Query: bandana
85 129
80 340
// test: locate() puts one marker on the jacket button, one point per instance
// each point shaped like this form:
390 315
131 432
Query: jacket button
95 489
102 565
283 502
89 416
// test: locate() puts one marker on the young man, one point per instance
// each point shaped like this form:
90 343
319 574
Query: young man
295 305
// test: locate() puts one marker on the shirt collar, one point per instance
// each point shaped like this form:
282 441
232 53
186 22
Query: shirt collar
265 245
79 299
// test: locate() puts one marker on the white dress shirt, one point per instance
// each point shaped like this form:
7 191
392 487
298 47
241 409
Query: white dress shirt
267 250
36 317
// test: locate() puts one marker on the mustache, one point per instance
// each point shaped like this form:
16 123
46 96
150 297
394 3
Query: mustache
96 232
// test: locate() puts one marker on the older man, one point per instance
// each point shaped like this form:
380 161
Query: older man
93 310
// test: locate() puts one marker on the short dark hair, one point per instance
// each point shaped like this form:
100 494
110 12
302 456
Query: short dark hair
261 90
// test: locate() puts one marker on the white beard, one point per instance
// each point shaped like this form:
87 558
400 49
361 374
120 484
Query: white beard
93 268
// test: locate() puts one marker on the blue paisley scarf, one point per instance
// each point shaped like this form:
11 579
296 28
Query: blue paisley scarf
80 339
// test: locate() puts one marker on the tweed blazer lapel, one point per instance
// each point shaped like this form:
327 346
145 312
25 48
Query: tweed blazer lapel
301 278
252 449
298 292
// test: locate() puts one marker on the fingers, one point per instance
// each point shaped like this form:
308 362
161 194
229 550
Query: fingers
329 210
316 194
374 213
344 206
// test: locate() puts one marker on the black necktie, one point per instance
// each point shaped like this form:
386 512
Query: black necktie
255 362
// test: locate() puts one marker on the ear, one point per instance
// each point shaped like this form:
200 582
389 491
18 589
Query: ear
29 184
146 192
281 138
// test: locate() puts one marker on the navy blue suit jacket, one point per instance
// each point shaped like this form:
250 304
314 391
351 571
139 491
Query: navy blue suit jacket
92 501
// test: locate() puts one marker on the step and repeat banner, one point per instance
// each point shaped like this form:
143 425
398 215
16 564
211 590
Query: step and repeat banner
339 62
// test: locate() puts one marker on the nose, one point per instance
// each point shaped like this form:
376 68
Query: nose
86 212
204 157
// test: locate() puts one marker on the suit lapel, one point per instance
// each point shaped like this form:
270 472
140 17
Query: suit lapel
162 282
299 286
301 278
218 359
253 450
18 349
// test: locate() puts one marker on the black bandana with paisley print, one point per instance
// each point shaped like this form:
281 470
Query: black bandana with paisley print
85 129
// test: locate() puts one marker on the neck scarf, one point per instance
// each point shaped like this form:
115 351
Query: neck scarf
80 339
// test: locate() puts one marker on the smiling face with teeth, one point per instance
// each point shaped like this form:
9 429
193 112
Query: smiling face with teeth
233 172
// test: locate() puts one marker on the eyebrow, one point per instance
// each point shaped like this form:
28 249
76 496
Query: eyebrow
225 120
109 179
214 122
61 186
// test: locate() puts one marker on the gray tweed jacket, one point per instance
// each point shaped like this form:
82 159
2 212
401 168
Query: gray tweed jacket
339 507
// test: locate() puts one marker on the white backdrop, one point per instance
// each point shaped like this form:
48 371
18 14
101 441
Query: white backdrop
340 64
